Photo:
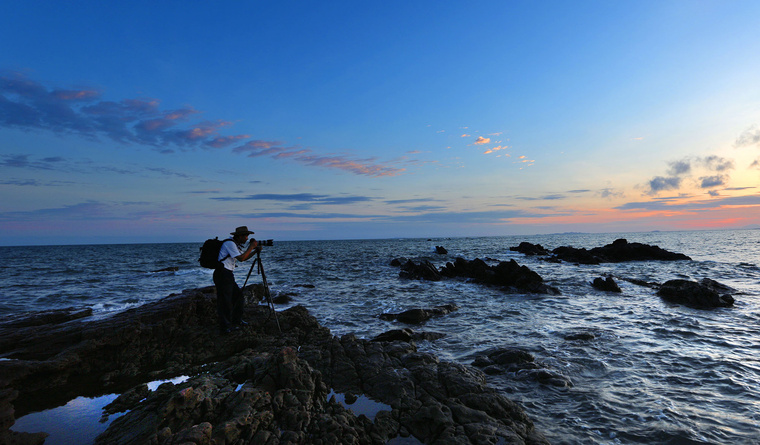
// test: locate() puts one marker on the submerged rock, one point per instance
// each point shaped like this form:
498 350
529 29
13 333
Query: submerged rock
606 284
520 364
255 385
417 316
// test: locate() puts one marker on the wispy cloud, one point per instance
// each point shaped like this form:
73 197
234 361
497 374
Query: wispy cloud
497 148
298 197
669 205
30 105
482 141
23 161
750 136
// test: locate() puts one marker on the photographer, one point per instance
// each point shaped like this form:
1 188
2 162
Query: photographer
229 296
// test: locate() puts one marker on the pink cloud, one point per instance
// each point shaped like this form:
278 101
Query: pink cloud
481 140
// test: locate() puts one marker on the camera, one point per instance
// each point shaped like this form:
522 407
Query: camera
264 242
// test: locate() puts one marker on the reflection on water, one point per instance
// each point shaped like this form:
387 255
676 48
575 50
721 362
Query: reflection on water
359 404
77 422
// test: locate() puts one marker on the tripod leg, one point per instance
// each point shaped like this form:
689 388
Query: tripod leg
268 294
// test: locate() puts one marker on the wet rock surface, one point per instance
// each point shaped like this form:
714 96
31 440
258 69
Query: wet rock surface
417 316
506 274
618 251
704 294
255 385
606 284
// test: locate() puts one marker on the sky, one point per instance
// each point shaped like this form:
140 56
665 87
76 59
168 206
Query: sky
177 121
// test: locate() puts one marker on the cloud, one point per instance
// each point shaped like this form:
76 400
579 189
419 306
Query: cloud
751 136
684 168
29 105
718 164
497 148
95 210
299 197
553 197
481 140
23 161
747 200
610 193
659 183
275 149
410 201
712 181
679 167
422 208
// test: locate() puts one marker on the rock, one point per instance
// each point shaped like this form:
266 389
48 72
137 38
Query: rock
441 250
396 335
580 336
606 284
521 363
255 385
507 274
283 298
397 262
424 270
530 249
417 316
408 335
618 251
717 287
693 294
127 399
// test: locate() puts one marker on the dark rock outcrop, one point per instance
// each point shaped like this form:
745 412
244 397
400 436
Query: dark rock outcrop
606 284
691 293
441 250
423 270
506 274
530 249
255 385
618 251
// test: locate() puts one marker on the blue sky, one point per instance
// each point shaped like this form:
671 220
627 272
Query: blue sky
176 121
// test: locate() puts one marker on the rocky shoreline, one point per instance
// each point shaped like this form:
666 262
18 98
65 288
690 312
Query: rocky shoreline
255 385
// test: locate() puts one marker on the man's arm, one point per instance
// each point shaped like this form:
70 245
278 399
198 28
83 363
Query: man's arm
252 246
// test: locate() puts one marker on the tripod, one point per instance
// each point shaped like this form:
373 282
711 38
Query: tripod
267 294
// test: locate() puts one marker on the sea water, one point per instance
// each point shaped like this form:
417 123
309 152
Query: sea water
655 372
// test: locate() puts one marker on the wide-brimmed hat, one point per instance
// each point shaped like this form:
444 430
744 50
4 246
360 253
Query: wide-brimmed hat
242 230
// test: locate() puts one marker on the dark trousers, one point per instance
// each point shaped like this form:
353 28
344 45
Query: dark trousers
229 298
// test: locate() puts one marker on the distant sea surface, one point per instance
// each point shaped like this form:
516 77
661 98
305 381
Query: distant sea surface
654 373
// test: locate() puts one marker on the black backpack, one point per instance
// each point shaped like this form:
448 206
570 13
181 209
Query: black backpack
210 253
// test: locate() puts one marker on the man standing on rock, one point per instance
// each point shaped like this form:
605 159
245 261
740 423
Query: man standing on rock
229 296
